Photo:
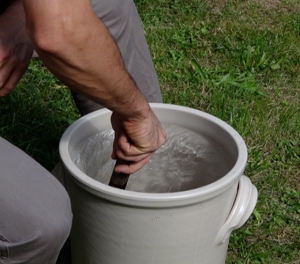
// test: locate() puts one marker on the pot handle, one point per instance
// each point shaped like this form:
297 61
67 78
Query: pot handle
241 210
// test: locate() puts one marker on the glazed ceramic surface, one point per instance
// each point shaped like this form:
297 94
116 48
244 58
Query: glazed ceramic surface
113 226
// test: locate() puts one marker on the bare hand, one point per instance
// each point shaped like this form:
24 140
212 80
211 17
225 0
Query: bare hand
136 140
15 48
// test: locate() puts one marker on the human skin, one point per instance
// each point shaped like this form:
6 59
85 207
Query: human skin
15 48
68 42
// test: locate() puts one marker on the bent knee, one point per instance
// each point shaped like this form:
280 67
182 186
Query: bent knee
54 230
40 240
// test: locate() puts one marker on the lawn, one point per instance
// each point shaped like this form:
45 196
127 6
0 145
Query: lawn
237 60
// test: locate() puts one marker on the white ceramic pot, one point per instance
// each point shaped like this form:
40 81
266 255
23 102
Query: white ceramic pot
113 226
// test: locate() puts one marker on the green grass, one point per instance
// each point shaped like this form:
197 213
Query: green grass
35 115
238 60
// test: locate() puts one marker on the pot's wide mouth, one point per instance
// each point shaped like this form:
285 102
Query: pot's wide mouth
227 138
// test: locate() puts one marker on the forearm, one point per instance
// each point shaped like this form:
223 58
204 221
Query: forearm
79 50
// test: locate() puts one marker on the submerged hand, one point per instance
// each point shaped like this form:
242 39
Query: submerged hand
136 140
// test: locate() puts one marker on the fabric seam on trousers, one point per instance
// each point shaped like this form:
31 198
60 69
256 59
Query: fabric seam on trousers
4 250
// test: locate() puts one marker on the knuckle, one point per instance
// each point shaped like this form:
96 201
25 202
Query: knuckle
120 153
2 94
1 83
9 87
126 152
6 89
3 57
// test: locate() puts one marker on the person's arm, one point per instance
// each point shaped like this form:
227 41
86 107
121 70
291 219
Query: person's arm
78 49
15 46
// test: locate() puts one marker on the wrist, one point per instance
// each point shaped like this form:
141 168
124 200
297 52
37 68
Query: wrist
126 100
138 111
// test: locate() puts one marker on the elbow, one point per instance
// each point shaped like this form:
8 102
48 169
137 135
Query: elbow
46 41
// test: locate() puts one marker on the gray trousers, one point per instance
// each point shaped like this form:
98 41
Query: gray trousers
35 211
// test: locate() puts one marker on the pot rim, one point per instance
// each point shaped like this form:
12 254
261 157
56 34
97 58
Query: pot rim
155 199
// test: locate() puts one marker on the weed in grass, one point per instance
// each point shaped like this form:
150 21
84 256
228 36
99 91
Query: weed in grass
239 60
